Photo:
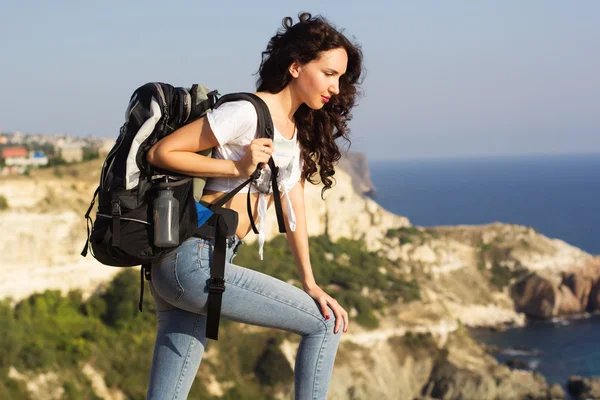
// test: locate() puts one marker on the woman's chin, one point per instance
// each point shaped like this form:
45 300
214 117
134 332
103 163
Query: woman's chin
316 105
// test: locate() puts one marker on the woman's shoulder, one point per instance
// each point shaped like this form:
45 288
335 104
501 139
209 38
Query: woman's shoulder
233 121
237 108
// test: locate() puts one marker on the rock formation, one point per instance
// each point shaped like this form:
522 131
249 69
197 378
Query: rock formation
475 276
584 388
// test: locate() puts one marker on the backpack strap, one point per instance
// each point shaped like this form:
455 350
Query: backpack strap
145 271
266 129
88 222
217 270
216 285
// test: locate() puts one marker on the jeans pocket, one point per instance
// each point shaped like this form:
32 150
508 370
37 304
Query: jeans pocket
205 252
165 279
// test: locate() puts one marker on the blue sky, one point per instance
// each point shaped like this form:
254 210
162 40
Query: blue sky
444 79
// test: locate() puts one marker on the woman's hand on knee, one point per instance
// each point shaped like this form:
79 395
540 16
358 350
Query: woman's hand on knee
326 301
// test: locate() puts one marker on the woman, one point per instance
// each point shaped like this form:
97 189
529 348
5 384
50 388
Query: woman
308 78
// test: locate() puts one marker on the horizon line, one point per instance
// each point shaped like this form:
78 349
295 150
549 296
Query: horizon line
483 156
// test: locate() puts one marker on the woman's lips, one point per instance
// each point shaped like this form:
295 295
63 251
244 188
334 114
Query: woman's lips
325 99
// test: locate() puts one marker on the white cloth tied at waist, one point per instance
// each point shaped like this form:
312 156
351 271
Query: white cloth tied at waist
262 215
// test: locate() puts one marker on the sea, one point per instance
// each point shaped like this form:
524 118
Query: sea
558 195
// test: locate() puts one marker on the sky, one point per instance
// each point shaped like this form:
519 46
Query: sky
443 79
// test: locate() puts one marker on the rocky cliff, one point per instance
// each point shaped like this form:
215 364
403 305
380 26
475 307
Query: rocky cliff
44 230
474 276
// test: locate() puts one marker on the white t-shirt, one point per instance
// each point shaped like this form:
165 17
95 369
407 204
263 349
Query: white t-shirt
234 126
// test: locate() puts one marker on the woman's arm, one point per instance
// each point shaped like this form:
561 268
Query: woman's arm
298 241
177 153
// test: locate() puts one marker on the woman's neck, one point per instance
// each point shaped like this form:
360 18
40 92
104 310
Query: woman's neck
283 104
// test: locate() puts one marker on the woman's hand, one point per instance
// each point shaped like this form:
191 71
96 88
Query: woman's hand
259 152
325 300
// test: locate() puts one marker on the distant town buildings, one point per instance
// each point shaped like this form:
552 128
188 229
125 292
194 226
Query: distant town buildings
17 159
20 152
20 156
71 152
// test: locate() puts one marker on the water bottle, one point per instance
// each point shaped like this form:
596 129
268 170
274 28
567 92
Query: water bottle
166 219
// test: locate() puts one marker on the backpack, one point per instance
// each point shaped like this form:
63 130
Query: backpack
122 234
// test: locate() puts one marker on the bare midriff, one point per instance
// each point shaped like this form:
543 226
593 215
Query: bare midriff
238 204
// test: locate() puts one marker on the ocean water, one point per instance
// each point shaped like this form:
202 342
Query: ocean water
558 195
556 349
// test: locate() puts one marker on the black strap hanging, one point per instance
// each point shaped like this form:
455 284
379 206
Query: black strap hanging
265 129
145 271
249 208
277 196
216 285
89 222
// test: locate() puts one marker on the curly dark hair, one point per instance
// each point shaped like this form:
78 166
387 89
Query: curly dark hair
318 130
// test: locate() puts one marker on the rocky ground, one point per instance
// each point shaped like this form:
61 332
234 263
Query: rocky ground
469 276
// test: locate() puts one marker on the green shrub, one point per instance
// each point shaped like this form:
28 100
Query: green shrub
407 234
90 153
329 265
417 340
3 203
51 332
502 275
12 389
272 367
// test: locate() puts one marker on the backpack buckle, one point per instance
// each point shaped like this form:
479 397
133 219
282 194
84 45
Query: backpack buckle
116 208
256 174
213 97
217 285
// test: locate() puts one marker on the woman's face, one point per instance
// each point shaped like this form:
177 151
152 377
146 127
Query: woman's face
314 83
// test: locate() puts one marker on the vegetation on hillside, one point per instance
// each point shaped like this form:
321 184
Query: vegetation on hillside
498 274
3 203
49 332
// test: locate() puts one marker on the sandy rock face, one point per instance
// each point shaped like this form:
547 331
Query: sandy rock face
581 286
43 234
567 302
47 233
44 230
594 299
343 213
535 297
454 267
575 292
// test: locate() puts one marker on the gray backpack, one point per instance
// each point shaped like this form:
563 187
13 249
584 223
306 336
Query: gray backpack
123 232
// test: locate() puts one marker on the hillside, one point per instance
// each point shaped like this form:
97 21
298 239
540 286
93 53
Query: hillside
425 286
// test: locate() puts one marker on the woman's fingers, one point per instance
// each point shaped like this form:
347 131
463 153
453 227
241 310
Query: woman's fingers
261 151
340 315
263 144
264 141
324 310
345 317
326 302
259 148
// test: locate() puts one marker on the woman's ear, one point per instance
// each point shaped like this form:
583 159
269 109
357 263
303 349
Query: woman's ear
295 69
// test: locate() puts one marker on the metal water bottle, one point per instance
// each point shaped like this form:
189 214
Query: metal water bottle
166 219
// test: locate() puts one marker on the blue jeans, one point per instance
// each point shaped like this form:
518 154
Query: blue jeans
179 287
